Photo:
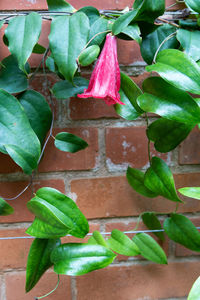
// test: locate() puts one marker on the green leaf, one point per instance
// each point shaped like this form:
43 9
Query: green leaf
122 244
151 221
133 31
100 25
12 79
39 260
79 259
152 41
38 112
5 208
149 248
167 134
181 230
159 179
193 4
91 12
69 35
69 142
190 41
149 10
16 132
60 6
50 64
168 102
56 215
129 92
97 239
195 290
21 45
178 69
65 89
136 180
39 49
123 21
88 55
192 192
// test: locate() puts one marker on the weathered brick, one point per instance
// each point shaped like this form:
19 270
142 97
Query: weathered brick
113 197
189 151
11 189
7 165
128 52
128 146
56 160
150 281
15 287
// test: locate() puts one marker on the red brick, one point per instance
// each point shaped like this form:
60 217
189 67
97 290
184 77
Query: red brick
150 281
113 197
123 3
128 52
15 287
7 165
140 78
11 189
128 146
189 151
56 160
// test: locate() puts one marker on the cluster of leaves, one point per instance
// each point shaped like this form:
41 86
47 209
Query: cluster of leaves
75 40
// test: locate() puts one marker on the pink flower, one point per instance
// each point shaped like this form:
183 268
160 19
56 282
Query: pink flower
105 80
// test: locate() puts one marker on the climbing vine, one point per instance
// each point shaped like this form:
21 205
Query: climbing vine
170 47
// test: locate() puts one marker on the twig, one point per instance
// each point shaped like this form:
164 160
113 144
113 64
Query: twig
160 46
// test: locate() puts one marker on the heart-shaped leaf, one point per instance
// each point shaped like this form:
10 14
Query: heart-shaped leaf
69 35
169 102
151 221
123 21
149 10
192 192
133 31
167 134
135 178
129 93
91 12
89 55
178 69
39 260
38 112
56 215
190 40
159 179
65 89
69 142
181 230
21 45
122 244
79 259
100 25
5 208
149 248
195 290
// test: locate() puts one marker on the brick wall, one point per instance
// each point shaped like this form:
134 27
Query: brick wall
95 179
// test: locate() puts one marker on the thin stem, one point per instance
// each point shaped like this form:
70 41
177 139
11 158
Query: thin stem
41 297
160 46
177 206
23 191
149 142
39 66
168 22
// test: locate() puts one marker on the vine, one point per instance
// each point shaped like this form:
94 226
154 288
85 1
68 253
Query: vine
170 47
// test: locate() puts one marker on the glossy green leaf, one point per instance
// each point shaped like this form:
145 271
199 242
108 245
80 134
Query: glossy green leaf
168 102
12 79
38 112
100 25
122 244
60 5
50 64
133 31
194 5
149 10
136 180
56 215
69 142
192 192
129 93
178 69
151 221
16 133
91 12
97 239
89 55
79 259
5 208
181 230
39 49
194 293
152 42
159 179
149 248
167 134
21 45
123 21
65 89
190 41
69 35
39 260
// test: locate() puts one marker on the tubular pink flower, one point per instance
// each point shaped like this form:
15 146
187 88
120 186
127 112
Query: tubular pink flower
105 80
